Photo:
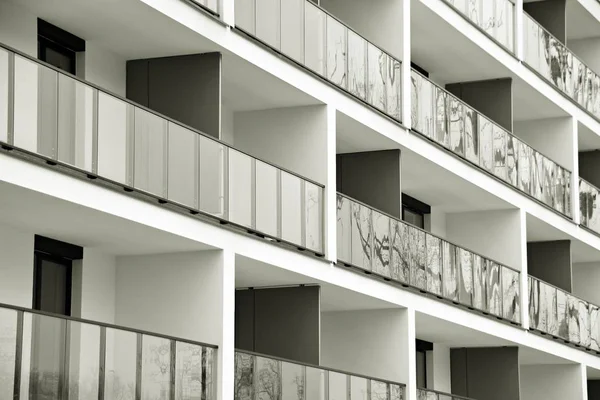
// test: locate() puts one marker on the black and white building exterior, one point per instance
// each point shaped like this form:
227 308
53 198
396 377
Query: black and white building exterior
299 200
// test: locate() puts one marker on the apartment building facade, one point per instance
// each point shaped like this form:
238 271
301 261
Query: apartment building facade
299 199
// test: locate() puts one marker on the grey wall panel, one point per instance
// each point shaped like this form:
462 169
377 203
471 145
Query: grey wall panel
552 14
551 262
593 389
488 373
185 88
373 177
244 319
492 97
589 166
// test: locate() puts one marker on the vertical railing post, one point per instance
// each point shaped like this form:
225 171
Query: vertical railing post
172 372
279 205
102 364
303 212
253 193
18 356
95 123
138 369
64 379
11 98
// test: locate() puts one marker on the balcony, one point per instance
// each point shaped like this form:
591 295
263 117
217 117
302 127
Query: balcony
256 374
494 17
428 394
46 356
454 125
310 36
563 316
54 117
396 251
589 214
552 60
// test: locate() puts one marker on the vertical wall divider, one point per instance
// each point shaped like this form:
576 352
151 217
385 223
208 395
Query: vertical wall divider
172 372
102 362
138 369
18 356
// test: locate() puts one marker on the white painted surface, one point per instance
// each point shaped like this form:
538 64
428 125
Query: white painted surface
438 373
18 28
105 68
585 281
495 234
372 343
435 222
552 382
294 138
16 267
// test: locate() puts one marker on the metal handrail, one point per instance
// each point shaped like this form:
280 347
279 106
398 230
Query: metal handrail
423 230
151 111
103 324
255 354
454 396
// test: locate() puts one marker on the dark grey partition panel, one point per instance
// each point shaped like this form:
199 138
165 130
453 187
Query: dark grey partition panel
485 373
185 88
589 166
593 389
493 98
282 322
373 177
551 262
552 14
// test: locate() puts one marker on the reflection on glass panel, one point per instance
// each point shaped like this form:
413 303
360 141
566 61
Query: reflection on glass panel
361 236
156 368
422 105
336 52
240 188
292 381
75 122
338 386
357 65
3 96
465 293
343 233
379 390
292 29
450 272
212 177
121 361
268 378
182 169
381 244
393 89
314 38
268 22
26 104
471 136
244 15
115 135
243 387
494 290
26 354
358 388
457 125
315 383
8 337
486 140
208 362
150 156
84 342
376 73
511 299
500 152
396 392
189 372
291 208
440 122
313 206
266 198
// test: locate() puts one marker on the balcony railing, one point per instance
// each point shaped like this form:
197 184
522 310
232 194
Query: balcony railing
380 244
264 377
551 59
563 316
428 394
45 356
310 36
494 17
210 5
57 117
451 123
589 205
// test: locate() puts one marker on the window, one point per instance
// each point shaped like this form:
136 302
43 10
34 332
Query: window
58 47
422 347
414 211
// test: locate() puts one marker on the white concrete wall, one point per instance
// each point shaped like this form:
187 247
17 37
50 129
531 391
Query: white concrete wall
553 137
18 28
552 382
495 234
370 342
294 138
585 281
436 222
588 50
438 368
105 68
16 267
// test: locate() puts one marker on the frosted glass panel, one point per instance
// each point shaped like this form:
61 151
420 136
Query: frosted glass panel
75 122
268 22
292 381
3 97
183 166
315 383
150 153
84 341
291 208
240 188
357 65
338 386
268 384
121 350
244 15
156 368
344 244
292 29
266 198
212 177
312 205
189 372
358 388
8 335
393 90
336 52
26 104
114 138
376 72
314 38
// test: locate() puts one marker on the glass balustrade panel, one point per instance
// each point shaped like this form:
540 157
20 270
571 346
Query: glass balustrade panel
511 296
376 77
381 244
338 386
314 38
357 65
343 234
245 17
120 365
268 22
156 368
267 203
84 360
245 365
4 95
465 291
241 169
212 176
8 342
268 378
291 208
183 171
362 237
292 29
292 382
150 154
393 90
336 52
316 383
313 204
359 389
